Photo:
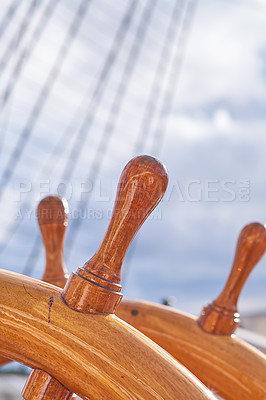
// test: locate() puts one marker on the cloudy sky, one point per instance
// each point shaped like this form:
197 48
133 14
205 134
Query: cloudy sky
87 85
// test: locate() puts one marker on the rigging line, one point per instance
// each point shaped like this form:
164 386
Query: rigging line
4 126
174 75
18 36
168 98
94 103
11 11
156 88
26 52
151 104
176 65
44 93
98 91
115 108
48 168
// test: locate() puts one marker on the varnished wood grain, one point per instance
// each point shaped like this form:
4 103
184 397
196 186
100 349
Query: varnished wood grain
95 287
100 357
53 220
52 214
229 366
232 368
95 356
142 185
221 316
4 361
41 386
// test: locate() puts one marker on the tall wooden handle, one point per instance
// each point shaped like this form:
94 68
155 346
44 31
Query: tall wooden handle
53 219
221 316
95 288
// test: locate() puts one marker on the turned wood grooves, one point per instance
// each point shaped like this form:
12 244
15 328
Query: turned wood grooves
221 316
95 288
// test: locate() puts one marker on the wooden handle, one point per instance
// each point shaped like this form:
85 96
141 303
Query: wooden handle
53 219
95 287
221 316
41 386
52 216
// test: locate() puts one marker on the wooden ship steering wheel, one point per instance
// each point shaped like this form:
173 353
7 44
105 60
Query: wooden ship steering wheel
72 338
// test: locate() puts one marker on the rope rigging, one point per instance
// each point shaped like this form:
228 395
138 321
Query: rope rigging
173 77
114 112
89 117
7 17
98 91
157 95
156 88
18 36
43 94
175 69
26 53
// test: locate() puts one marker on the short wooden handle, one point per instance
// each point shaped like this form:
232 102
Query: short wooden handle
53 220
52 215
95 287
221 316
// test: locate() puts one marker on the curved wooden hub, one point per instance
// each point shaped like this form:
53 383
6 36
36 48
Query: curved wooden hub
53 220
221 316
95 288
95 356
227 365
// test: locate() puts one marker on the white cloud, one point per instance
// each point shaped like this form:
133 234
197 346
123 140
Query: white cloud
224 59
223 121
201 127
